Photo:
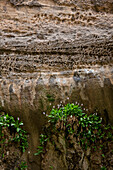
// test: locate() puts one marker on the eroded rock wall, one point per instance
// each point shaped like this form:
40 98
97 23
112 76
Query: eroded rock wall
59 48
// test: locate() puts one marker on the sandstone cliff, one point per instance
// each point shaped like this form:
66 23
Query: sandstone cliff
58 48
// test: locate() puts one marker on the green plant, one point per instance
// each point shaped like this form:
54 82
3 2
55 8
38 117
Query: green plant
103 168
14 126
103 155
50 98
51 167
70 130
43 140
23 165
64 112
88 129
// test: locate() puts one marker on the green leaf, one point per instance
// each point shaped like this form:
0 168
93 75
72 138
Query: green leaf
12 124
18 129
20 123
89 132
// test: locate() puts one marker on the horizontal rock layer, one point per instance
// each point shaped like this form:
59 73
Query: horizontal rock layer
61 49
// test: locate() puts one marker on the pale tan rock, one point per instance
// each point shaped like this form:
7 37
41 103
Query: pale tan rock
63 48
85 164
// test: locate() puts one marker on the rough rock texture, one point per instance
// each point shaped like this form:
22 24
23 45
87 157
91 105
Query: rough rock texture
58 48
63 147
69 155
11 156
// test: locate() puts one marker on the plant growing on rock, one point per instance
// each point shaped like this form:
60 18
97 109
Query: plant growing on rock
43 140
87 129
14 126
23 165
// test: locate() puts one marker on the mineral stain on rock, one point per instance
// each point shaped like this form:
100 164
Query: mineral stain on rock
11 88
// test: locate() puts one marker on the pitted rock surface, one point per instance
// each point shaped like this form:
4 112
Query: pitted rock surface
63 48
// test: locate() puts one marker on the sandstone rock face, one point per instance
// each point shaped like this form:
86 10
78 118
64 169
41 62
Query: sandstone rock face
51 50
73 157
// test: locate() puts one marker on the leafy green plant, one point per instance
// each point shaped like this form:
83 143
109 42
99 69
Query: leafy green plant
51 167
103 155
103 168
88 129
23 165
14 126
43 140
50 98
64 112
